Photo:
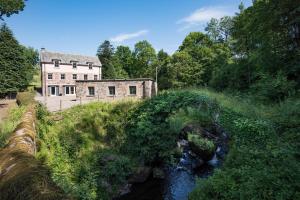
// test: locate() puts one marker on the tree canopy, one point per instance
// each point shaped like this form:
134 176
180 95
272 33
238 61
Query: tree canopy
9 7
16 63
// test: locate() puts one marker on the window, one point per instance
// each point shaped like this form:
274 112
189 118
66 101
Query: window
90 66
74 76
56 63
85 77
112 90
74 65
132 90
91 91
69 90
95 77
50 76
62 76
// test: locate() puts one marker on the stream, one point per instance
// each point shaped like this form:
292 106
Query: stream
179 180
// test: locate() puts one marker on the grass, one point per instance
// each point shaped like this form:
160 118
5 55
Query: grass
9 124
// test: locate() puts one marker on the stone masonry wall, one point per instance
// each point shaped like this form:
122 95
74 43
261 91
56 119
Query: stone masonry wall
144 89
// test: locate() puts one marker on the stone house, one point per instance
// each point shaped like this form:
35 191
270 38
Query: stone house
59 72
81 77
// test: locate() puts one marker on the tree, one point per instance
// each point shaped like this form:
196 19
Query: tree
144 57
188 72
105 54
9 7
213 29
166 72
123 60
16 63
219 30
200 48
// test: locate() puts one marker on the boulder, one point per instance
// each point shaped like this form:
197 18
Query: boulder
140 175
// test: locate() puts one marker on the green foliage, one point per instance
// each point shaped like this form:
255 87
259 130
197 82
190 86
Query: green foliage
82 148
260 143
9 7
144 131
9 124
16 63
25 98
144 55
105 54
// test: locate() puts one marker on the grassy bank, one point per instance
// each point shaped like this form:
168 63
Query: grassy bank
92 149
9 124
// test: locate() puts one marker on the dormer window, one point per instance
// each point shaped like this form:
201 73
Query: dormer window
74 65
90 65
56 63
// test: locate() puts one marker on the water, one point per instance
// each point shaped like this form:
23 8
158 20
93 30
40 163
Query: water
180 180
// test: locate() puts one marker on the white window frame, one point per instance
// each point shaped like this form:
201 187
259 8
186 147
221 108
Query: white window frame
51 76
75 76
70 90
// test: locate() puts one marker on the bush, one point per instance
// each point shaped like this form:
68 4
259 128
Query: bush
25 98
273 88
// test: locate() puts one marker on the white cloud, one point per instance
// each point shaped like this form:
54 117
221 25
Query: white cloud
203 15
127 36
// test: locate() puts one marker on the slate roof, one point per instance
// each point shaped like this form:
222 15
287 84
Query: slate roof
47 56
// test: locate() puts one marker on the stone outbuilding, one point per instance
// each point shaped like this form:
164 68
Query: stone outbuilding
111 89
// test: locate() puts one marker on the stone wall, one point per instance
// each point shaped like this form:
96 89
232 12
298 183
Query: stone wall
22 176
145 88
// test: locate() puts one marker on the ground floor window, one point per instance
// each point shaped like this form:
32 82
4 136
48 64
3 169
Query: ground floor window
132 90
53 90
69 90
91 91
112 90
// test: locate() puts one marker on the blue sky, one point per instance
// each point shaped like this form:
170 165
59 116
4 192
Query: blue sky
79 26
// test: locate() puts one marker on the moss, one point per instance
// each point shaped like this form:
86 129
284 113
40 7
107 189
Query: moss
204 147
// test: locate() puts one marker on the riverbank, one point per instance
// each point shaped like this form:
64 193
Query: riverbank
93 149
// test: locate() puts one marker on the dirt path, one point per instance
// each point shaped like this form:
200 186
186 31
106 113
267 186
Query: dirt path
5 106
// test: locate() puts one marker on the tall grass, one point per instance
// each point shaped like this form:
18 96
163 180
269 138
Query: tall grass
9 124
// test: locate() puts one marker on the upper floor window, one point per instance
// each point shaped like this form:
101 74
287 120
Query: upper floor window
56 63
132 90
95 77
74 65
85 77
90 65
62 76
50 76
112 90
74 76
